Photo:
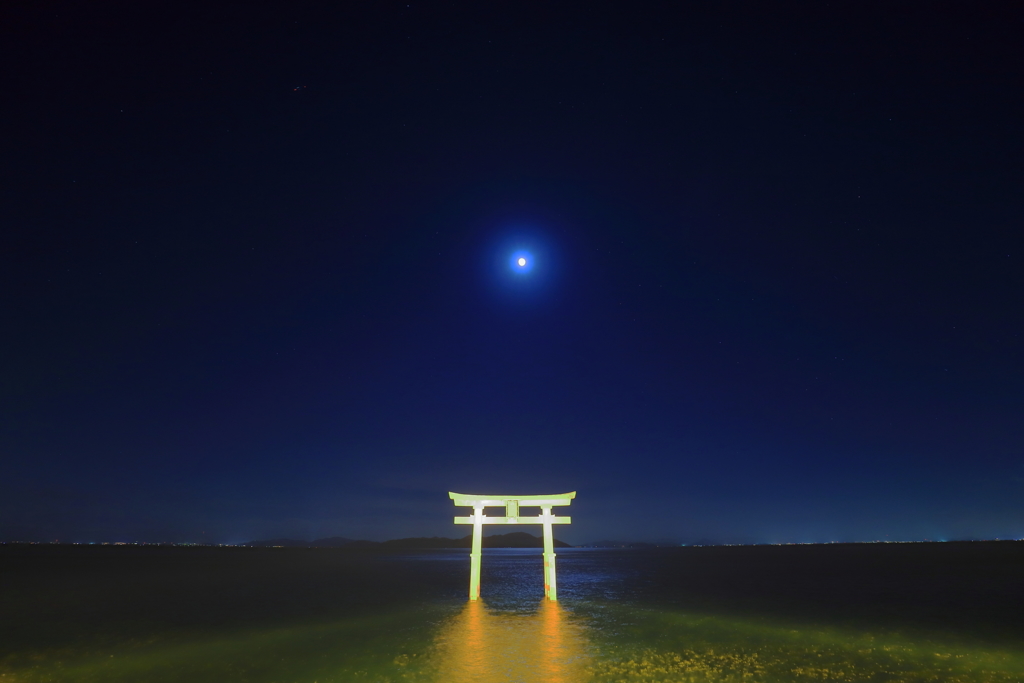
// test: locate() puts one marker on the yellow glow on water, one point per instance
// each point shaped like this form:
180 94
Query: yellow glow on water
604 644
478 646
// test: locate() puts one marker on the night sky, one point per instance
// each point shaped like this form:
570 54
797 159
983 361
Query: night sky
256 276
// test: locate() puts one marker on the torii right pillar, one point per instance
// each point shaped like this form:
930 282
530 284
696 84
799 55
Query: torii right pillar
550 586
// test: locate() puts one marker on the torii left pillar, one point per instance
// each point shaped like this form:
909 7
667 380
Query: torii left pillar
512 505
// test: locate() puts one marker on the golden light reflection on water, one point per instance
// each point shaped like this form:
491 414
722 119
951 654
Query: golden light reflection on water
483 647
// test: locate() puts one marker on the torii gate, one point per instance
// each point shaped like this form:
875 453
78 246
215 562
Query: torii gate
511 505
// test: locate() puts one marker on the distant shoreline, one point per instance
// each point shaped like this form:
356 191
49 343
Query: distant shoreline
515 539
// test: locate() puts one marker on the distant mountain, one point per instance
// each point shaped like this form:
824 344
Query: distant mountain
515 539
332 542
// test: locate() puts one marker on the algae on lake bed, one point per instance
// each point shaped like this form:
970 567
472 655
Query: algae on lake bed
553 644
666 646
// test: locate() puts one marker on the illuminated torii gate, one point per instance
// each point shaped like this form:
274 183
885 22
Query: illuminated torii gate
512 505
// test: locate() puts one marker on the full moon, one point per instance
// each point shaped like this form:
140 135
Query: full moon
521 262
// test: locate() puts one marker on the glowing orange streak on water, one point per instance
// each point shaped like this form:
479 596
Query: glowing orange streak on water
477 646
551 651
475 643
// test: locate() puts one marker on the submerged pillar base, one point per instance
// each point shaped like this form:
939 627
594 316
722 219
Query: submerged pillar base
550 589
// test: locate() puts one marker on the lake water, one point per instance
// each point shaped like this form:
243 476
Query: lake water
913 613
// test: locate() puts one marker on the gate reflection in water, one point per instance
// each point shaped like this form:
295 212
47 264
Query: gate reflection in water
483 646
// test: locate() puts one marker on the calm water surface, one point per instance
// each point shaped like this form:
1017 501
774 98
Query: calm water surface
858 613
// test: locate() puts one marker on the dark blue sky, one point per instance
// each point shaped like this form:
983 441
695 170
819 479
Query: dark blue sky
254 263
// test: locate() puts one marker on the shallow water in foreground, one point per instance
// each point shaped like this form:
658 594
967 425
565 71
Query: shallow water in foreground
857 613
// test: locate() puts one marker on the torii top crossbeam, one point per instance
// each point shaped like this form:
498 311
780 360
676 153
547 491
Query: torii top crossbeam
512 505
